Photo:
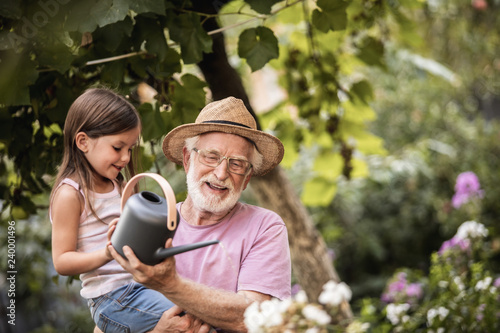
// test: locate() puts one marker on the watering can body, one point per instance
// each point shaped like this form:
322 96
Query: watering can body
147 221
142 226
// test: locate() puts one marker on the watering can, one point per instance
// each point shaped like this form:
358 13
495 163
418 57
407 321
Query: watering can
147 220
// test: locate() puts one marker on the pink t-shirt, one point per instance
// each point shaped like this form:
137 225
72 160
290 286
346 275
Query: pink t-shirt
253 253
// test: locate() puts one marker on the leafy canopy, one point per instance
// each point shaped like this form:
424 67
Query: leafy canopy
52 50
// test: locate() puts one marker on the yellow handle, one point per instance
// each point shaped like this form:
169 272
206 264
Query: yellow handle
167 191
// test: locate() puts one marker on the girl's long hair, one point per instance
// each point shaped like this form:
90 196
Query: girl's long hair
97 112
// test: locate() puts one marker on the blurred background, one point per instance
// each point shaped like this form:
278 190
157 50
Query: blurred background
381 104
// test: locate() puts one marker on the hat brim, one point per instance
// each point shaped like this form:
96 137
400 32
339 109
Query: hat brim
269 146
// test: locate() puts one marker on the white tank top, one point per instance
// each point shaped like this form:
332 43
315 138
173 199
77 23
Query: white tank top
92 235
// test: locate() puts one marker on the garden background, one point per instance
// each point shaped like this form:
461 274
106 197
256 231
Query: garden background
380 105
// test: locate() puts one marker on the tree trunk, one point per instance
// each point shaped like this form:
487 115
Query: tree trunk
310 261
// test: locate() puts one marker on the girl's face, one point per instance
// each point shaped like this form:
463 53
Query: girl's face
108 154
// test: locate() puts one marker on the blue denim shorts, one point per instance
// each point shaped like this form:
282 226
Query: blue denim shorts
132 308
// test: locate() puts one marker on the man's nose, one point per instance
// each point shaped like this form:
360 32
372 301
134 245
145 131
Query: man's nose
220 171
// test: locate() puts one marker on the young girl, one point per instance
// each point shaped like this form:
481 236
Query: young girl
100 133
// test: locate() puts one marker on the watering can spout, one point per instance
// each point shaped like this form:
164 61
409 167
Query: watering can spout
163 253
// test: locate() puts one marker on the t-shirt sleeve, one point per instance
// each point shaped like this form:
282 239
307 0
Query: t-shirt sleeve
267 268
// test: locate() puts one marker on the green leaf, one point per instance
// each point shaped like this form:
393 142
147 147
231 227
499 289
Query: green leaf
79 18
359 168
328 165
262 6
318 192
153 126
18 73
106 12
148 29
371 52
357 112
363 91
258 46
188 99
186 29
112 35
148 6
331 15
57 56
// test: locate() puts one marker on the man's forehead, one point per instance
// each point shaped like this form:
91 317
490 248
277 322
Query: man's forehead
223 141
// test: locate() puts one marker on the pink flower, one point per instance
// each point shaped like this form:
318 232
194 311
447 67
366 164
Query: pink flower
467 186
455 242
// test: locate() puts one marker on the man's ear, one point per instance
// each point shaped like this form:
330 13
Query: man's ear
82 141
186 155
247 180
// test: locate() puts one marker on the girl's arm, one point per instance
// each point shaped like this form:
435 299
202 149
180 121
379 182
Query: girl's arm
66 209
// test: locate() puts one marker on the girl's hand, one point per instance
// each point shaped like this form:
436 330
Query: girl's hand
111 229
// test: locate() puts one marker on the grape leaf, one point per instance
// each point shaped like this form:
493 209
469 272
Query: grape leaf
186 29
262 6
331 15
258 46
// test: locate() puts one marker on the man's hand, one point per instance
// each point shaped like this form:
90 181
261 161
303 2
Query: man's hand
162 276
171 322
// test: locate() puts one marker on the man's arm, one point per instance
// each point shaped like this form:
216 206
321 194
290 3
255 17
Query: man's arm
218 308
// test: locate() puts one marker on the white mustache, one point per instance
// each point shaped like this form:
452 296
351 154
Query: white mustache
210 178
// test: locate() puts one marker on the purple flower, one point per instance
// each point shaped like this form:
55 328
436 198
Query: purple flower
466 187
455 242
414 290
497 282
295 289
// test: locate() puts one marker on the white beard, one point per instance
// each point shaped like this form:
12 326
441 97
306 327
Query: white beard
210 202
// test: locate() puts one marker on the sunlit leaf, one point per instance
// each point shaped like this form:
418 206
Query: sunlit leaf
359 168
328 165
318 192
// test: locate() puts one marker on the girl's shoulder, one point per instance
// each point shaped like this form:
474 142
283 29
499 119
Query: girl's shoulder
68 189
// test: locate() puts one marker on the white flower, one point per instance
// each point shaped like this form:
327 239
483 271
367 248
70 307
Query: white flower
301 297
459 283
335 293
254 320
395 311
442 312
357 327
265 314
483 284
316 314
431 314
312 330
440 330
471 229
443 284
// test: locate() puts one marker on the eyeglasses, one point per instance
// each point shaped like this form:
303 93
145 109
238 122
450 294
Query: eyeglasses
213 159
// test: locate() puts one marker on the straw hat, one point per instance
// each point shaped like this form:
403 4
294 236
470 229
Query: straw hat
228 115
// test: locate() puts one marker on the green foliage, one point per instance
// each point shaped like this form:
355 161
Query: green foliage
258 46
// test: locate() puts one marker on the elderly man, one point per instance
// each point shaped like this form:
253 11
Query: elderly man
220 152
